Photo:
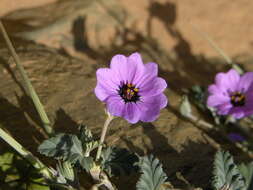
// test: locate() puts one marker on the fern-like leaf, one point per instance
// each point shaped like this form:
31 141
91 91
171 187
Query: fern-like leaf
119 161
226 173
87 139
247 172
62 146
152 176
68 148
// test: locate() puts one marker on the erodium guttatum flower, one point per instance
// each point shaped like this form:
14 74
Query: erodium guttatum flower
131 89
236 137
232 94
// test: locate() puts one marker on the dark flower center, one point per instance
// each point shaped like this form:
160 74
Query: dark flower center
129 92
237 99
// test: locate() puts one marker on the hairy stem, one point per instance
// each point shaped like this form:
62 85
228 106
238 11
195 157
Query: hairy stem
28 86
102 137
35 162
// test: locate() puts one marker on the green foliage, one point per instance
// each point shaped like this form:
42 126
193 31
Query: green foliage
6 160
66 170
16 173
197 94
85 134
68 148
118 161
153 176
65 175
226 173
87 139
247 172
62 146
185 107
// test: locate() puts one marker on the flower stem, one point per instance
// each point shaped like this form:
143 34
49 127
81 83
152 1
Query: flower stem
35 162
28 86
102 137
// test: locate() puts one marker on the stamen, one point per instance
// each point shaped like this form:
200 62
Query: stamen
136 89
237 99
128 92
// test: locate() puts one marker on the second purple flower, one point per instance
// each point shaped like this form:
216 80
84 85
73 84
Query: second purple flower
131 89
232 94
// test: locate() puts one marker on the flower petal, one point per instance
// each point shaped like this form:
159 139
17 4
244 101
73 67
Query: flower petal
152 87
127 68
150 107
163 100
135 58
107 84
237 112
213 89
245 82
132 114
215 100
151 71
248 108
115 105
224 109
151 68
227 81
101 92
107 79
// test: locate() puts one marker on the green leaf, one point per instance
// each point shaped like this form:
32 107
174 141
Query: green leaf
250 186
66 147
86 163
153 176
38 184
6 161
197 95
247 172
17 173
226 173
85 134
118 161
88 142
185 107
83 161
66 170
62 146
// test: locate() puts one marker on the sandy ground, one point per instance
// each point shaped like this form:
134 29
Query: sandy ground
7 6
227 22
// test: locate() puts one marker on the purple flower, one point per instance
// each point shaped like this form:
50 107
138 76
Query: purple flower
232 94
131 89
235 137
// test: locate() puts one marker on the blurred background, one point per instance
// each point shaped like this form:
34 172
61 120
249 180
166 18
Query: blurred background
226 22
